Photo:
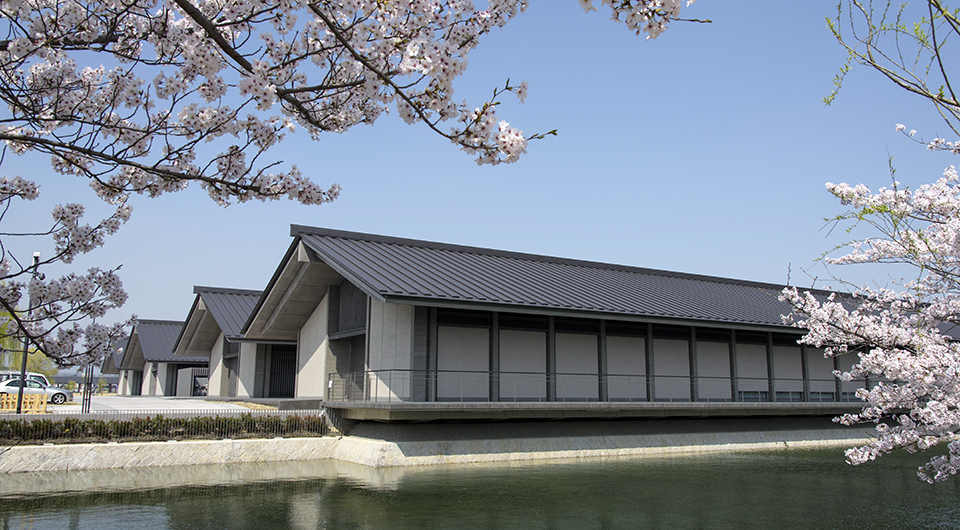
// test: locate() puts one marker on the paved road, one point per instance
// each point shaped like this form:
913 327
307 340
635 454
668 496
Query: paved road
151 403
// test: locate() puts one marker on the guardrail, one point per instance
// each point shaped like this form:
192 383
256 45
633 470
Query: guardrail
141 426
398 386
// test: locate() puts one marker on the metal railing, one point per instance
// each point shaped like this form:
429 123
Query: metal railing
401 386
165 425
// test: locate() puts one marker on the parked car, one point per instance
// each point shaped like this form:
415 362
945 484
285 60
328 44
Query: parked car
57 396
15 374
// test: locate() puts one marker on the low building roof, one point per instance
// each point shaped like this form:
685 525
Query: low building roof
151 341
112 361
415 272
215 310
66 378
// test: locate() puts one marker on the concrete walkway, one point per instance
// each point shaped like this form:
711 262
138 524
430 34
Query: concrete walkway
138 403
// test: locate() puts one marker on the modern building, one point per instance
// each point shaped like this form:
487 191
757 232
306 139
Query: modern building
149 368
112 361
397 329
237 368
104 382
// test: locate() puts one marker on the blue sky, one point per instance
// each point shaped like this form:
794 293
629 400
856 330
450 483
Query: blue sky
705 151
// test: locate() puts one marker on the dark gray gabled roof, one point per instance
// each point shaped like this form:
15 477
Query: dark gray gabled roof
229 307
157 338
111 363
151 341
215 310
420 272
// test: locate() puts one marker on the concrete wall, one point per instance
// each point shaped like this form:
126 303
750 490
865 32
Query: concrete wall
713 369
671 368
165 387
626 360
752 367
158 386
185 382
150 385
312 349
390 347
820 373
215 382
523 351
379 445
578 354
461 349
848 388
463 363
788 372
248 368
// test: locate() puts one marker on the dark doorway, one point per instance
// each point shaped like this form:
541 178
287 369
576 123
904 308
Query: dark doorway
283 371
170 381
230 368
136 382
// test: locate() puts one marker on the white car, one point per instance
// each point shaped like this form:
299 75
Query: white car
15 374
57 396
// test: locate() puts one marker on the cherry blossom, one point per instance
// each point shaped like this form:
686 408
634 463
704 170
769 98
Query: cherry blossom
150 96
905 335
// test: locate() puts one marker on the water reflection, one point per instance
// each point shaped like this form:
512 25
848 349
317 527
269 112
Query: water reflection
786 489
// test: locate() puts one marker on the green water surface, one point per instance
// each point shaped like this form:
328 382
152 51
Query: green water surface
776 490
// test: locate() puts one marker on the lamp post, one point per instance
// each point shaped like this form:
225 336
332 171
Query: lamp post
26 341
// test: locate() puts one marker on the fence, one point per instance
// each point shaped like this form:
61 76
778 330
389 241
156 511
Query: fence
141 426
398 386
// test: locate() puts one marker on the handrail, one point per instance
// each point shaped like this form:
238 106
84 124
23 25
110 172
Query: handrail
399 385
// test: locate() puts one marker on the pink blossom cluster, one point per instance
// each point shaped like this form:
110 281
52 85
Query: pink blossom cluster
642 16
322 67
60 315
198 91
906 336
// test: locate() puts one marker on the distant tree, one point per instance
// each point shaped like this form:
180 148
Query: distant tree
146 97
36 362
906 335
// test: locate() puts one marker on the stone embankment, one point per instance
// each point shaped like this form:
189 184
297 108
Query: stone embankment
389 445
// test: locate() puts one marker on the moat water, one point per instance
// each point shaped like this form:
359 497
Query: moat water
776 489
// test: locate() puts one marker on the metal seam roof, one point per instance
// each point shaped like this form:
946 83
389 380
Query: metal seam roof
157 338
230 308
407 269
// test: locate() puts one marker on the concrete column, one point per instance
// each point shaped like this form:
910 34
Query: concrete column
694 372
805 370
648 353
837 382
215 374
602 361
432 356
734 377
418 357
260 372
771 377
495 357
551 360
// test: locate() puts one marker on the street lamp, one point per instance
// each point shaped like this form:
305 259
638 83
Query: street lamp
26 341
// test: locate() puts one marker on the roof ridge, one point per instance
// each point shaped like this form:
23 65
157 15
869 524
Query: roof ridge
155 321
299 230
197 289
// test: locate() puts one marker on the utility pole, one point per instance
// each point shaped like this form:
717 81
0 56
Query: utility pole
26 341
87 389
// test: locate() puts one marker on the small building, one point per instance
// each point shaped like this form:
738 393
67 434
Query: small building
397 329
237 367
112 361
148 366
103 382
